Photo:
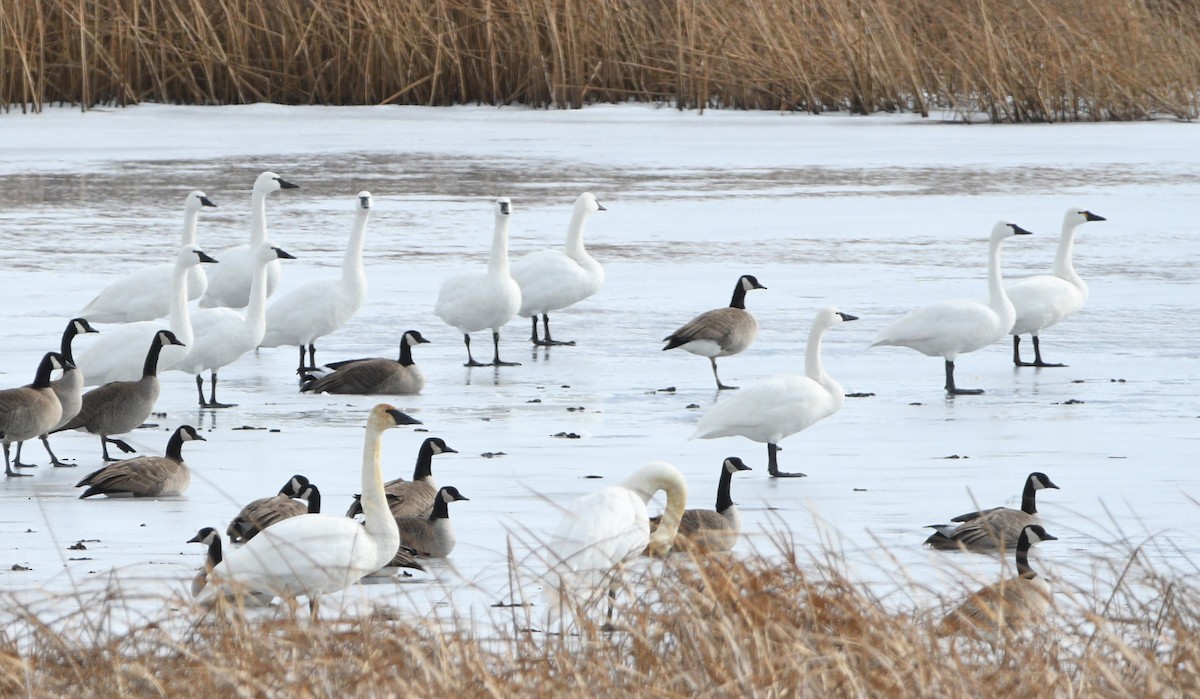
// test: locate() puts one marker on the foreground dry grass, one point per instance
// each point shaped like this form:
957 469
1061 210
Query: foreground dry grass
1014 60
715 627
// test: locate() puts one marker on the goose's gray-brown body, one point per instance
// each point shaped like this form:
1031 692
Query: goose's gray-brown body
720 332
413 498
264 512
31 410
714 530
375 376
992 529
121 406
68 387
145 476
431 536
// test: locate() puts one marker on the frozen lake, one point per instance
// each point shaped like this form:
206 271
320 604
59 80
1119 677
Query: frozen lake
875 215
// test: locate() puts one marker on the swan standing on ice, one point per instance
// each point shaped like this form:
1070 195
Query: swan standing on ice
68 388
318 308
950 328
779 406
720 332
316 553
552 280
992 529
229 284
375 376
145 476
1046 299
118 354
476 301
222 335
601 531
29 411
146 293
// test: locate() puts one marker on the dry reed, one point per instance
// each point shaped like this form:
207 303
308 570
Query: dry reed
1013 60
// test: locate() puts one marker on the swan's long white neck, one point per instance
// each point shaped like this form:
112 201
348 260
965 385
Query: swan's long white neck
997 298
648 481
180 319
1064 268
190 217
574 247
498 261
258 218
813 367
353 273
256 309
379 521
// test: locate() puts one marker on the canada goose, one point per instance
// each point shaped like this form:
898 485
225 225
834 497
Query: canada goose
29 411
412 498
782 405
68 388
398 377
430 536
995 528
720 332
1006 606
211 538
713 530
476 301
602 530
146 293
120 406
951 328
552 280
1045 299
264 512
311 311
145 476
316 553
229 284
222 335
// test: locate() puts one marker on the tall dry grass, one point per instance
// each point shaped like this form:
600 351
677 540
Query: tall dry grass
758 626
1014 60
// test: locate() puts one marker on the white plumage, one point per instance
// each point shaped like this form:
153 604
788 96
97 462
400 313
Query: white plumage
480 300
778 406
551 280
1043 300
311 311
950 328
229 285
146 293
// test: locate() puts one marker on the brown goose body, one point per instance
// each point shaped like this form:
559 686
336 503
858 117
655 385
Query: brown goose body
413 498
432 536
720 332
994 529
145 476
31 410
264 512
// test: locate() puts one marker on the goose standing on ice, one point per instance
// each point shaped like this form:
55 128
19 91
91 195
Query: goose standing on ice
480 300
1044 300
601 531
146 293
229 284
992 529
145 476
263 512
29 411
68 388
222 335
430 536
720 332
117 355
779 406
714 530
552 280
311 311
317 553
120 406
375 376
413 498
950 328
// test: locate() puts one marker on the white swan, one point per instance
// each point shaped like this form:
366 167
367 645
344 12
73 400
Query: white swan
551 280
779 406
306 313
221 335
146 293
312 554
601 531
476 301
229 284
119 354
950 328
1046 299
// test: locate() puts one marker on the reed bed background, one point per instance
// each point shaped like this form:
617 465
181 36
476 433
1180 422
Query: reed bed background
1011 60
754 626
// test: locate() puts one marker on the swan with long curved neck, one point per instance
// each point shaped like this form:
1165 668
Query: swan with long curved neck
115 355
601 531
312 554
309 312
1043 300
477 301
552 280
229 284
779 406
949 328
